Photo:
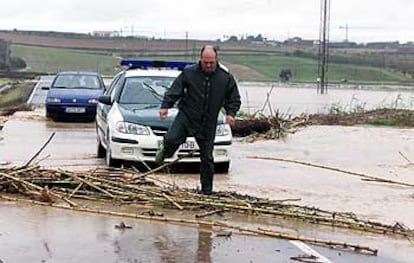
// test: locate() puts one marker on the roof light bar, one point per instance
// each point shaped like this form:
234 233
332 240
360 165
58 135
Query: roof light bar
137 63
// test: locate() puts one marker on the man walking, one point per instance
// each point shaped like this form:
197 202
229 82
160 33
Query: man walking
201 91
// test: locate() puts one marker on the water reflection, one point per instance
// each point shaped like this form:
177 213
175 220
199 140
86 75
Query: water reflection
167 247
205 233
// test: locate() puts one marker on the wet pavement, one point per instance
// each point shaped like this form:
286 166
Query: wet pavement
42 234
38 97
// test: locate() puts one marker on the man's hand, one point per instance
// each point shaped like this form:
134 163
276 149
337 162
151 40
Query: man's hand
163 114
229 120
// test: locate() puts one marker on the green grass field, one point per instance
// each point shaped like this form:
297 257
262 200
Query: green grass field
51 60
16 95
306 69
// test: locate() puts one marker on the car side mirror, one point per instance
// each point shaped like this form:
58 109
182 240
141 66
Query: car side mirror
105 99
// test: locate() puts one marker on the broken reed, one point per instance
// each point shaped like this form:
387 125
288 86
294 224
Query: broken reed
126 186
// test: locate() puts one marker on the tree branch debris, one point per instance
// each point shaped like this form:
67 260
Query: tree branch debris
108 185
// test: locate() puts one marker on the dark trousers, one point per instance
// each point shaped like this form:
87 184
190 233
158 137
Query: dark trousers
177 134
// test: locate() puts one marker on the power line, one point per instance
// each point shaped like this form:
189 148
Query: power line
347 28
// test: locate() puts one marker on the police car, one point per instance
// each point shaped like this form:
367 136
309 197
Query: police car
127 120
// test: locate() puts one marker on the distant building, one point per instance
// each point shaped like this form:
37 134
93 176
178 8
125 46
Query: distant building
298 42
407 47
343 44
273 43
383 45
105 33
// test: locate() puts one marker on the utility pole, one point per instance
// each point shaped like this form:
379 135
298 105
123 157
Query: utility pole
346 27
186 45
346 31
7 57
194 52
5 52
323 47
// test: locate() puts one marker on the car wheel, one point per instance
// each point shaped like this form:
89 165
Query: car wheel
100 150
109 160
222 167
50 116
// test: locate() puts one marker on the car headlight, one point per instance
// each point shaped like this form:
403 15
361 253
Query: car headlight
53 100
132 128
94 101
223 130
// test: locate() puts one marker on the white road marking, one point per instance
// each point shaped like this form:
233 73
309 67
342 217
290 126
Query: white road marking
309 251
29 101
38 95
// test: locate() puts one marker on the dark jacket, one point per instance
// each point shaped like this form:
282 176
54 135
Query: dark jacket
201 96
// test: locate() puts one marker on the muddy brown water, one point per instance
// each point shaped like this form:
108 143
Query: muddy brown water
38 234
294 100
374 151
364 149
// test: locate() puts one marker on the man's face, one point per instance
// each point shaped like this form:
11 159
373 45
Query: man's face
208 61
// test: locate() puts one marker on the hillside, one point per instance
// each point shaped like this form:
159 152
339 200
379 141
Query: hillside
53 51
119 44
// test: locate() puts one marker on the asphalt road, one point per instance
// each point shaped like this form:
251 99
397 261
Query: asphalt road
38 95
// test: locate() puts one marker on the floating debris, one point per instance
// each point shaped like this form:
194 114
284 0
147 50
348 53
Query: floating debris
122 226
56 186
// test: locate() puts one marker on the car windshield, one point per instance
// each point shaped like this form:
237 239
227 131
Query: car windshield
76 81
145 90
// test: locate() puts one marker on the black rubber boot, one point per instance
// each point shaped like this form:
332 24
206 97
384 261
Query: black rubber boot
206 177
160 156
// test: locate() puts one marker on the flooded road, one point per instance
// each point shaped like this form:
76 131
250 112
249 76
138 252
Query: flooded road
368 150
49 235
364 149
374 151
297 99
41 234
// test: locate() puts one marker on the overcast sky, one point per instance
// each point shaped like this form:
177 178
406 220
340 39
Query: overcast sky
367 20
